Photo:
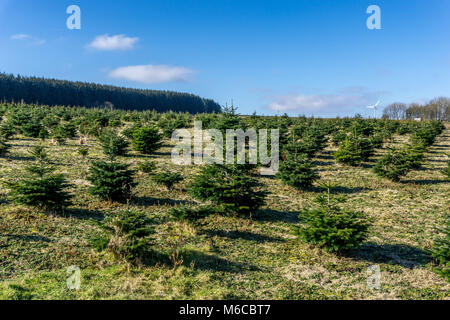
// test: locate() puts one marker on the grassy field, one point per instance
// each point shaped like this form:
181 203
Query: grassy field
227 257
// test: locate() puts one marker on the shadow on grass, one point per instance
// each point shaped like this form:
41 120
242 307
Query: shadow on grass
369 164
340 189
84 214
18 158
199 261
323 163
148 201
424 182
270 215
27 238
258 238
162 153
394 254
139 156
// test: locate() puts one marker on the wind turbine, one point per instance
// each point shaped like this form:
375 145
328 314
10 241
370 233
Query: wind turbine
374 107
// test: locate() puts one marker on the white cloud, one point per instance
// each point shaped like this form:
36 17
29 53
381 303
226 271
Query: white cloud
110 43
20 36
151 73
346 101
27 37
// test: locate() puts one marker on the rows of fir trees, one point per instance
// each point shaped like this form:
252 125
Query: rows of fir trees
397 162
222 189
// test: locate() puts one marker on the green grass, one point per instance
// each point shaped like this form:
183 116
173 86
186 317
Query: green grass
226 257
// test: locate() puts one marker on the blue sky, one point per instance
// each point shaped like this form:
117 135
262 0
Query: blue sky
301 57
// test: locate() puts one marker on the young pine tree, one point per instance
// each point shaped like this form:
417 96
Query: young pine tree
332 227
83 151
230 187
354 150
441 250
40 187
147 167
168 179
298 171
191 214
111 180
7 130
146 140
127 235
393 165
4 147
113 144
446 170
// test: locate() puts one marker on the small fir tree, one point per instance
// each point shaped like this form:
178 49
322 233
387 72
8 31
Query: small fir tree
7 130
441 250
113 144
298 171
146 140
127 235
354 150
446 170
147 167
230 187
168 179
41 188
331 227
4 147
111 180
83 151
191 214
393 165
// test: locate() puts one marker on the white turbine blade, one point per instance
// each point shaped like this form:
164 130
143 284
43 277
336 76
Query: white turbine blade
376 105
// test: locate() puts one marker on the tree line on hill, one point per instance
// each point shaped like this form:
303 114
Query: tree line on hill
436 109
68 93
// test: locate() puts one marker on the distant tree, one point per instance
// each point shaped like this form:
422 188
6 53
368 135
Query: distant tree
66 93
395 111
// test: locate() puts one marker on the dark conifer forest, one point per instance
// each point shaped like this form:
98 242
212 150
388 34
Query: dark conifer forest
60 92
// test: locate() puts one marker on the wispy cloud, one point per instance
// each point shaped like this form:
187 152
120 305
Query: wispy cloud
152 73
111 43
346 100
26 37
